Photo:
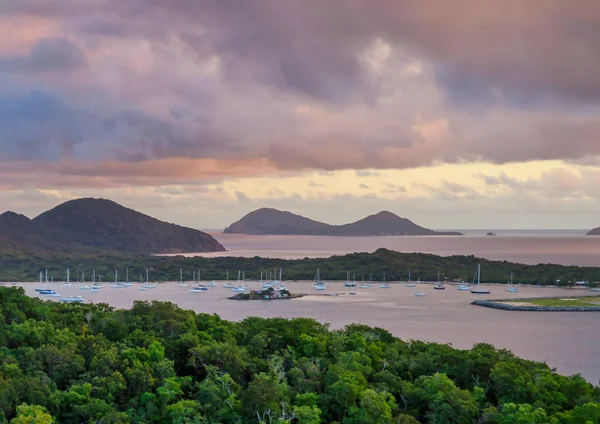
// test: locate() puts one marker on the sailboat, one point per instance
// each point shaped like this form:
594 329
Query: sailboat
181 283
240 288
409 284
227 284
127 283
68 283
317 283
147 285
439 286
349 283
509 286
479 290
116 285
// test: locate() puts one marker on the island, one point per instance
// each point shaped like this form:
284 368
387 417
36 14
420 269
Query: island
594 232
490 234
267 221
266 294
91 225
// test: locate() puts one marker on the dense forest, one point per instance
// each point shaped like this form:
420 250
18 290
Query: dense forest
156 363
395 265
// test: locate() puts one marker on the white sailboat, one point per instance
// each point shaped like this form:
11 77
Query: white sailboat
479 290
317 283
68 282
127 283
116 284
409 284
240 288
181 283
147 285
509 286
72 299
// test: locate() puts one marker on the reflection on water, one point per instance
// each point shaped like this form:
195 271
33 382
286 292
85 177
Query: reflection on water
565 340
566 249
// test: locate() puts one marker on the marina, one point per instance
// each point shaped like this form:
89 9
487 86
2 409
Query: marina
565 340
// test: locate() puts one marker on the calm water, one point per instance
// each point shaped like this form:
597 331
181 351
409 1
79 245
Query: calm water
561 247
565 340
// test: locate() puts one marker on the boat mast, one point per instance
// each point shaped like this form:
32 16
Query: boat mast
127 275
280 272
478 275
261 276
146 275
180 276
40 277
384 277
68 276
46 276
116 276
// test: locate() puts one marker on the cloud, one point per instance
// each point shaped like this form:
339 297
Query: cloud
367 173
314 85
363 186
313 184
48 55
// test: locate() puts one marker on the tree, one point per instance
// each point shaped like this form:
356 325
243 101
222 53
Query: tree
32 414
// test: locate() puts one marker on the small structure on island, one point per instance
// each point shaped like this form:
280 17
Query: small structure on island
266 294
271 293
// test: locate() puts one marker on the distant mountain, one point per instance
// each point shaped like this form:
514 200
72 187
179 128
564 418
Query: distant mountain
275 222
100 225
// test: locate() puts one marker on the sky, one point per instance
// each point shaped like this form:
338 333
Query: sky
453 114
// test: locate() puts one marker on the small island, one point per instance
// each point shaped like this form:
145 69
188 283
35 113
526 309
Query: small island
266 294
551 304
490 234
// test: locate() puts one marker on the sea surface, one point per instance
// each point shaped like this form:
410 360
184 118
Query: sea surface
566 247
567 341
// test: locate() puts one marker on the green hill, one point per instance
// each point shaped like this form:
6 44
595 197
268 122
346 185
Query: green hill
97 225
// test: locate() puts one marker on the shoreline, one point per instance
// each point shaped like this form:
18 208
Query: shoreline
521 304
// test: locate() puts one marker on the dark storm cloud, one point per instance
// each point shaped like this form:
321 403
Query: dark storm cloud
513 53
48 55
39 125
525 47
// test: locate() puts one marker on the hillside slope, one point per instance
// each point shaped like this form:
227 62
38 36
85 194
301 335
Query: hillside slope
267 221
100 225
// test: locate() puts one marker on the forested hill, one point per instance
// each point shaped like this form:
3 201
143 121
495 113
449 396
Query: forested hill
267 221
156 363
395 265
98 225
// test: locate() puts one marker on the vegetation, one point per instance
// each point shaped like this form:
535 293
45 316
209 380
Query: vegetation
395 265
563 301
265 294
98 225
155 363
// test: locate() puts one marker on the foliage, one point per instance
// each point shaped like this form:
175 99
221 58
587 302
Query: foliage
395 265
156 363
